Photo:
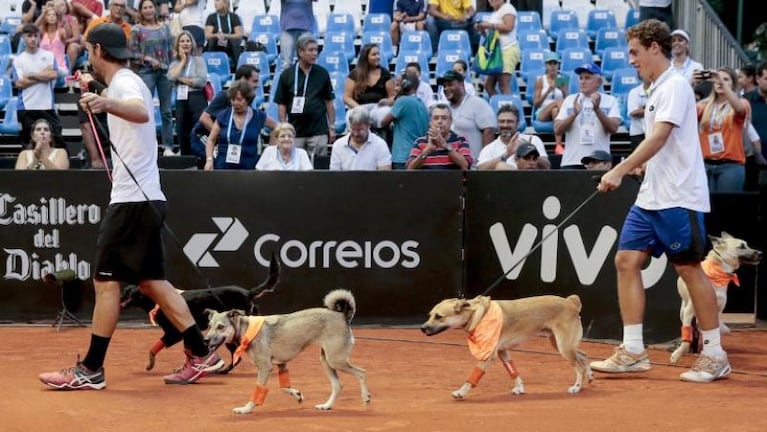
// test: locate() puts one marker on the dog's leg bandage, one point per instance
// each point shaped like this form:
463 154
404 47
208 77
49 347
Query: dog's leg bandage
686 333
475 376
509 366
157 347
284 377
259 395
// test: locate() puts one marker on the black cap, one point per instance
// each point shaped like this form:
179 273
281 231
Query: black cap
526 149
450 75
112 40
597 156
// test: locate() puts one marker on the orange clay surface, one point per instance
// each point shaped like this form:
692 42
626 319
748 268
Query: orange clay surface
410 376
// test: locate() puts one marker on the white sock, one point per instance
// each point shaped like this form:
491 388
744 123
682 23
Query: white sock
633 340
712 343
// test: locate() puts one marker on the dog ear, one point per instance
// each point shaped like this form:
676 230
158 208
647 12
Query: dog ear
209 312
714 239
726 235
461 305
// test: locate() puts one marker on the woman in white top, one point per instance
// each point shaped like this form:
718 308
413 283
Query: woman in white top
190 13
504 21
42 155
550 91
284 156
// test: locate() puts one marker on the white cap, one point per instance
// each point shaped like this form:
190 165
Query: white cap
680 32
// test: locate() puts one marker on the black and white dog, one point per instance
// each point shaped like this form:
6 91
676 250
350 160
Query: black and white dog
218 298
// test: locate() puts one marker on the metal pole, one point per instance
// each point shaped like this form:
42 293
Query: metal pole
739 28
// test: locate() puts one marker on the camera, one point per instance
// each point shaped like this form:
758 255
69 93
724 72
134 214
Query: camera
705 74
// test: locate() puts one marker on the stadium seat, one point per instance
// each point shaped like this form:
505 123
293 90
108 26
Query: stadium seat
528 20
607 38
572 58
337 80
599 19
341 22
532 60
267 40
5 45
406 57
541 126
218 64
632 17
321 10
376 22
259 60
416 41
624 80
445 60
571 38
383 40
482 16
561 20
334 62
530 76
215 81
10 124
269 24
613 59
348 7
339 41
247 10
622 103
496 101
454 41
259 98
340 109
9 23
533 40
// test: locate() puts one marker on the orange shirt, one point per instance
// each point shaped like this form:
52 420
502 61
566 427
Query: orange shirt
726 122
101 20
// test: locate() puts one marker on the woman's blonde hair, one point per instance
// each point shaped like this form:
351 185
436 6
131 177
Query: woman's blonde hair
285 126
188 34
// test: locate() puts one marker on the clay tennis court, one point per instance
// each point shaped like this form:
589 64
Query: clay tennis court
410 376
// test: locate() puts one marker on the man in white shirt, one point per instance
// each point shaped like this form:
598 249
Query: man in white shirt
473 117
587 118
424 92
635 104
501 154
680 54
360 150
667 216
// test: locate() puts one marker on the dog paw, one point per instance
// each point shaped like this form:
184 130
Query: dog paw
150 365
323 407
366 399
574 389
458 395
675 356
247 409
518 391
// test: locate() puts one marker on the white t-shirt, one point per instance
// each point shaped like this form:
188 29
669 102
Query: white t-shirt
470 117
497 148
271 160
637 98
136 144
510 38
655 3
675 176
425 93
586 134
371 156
688 67
193 15
38 96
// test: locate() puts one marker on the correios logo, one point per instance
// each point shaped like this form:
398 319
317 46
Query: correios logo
295 253
587 264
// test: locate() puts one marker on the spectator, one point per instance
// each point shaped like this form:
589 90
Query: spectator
680 54
223 31
598 160
86 10
747 78
189 74
462 68
235 133
751 139
527 157
42 155
33 72
54 34
501 154
304 97
503 19
587 118
296 20
31 10
116 16
70 26
424 91
151 45
635 105
451 15
659 9
284 155
377 97
722 120
360 149
550 90
472 116
246 73
441 148
190 13
407 15
409 118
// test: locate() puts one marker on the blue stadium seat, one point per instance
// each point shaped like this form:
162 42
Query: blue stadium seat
445 60
562 19
533 40
572 58
8 24
496 101
528 20
376 22
607 38
599 19
624 80
218 64
340 109
532 60
632 17
10 124
383 40
259 98
269 24
258 59
416 41
215 81
405 57
613 59
269 42
6 90
339 41
454 40
622 103
482 16
541 126
338 80
334 62
5 46
571 38
339 22
530 76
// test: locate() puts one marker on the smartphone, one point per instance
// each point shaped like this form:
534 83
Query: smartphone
562 81
705 74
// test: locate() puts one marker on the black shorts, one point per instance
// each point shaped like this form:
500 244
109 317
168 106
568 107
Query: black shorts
129 247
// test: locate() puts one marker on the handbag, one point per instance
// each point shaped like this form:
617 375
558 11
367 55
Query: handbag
489 57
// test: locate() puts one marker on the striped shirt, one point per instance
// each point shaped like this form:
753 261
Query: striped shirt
439 158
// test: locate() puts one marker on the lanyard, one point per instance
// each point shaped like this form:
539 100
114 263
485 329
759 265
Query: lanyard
244 125
295 81
717 116
229 18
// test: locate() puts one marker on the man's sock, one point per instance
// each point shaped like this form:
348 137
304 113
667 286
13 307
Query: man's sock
97 351
712 343
633 339
194 341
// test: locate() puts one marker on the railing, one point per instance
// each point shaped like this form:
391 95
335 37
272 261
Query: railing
712 43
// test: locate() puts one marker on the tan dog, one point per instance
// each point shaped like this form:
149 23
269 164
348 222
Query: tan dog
280 338
557 317
726 256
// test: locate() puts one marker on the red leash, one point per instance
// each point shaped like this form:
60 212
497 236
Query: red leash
84 88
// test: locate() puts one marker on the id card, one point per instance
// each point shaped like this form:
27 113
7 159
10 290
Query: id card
298 105
587 136
223 42
182 92
233 153
715 142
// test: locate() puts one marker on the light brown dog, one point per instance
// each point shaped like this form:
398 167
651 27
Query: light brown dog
282 337
553 316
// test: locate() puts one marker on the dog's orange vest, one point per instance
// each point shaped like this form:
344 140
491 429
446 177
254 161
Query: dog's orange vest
483 340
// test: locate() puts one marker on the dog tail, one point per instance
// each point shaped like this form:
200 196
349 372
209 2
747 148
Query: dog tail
341 300
272 279
574 299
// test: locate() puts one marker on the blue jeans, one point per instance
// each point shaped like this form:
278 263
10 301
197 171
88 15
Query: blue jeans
725 177
156 80
435 26
288 40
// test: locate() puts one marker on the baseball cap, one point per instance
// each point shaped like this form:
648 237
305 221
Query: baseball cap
450 75
680 32
112 40
588 68
597 156
526 149
551 56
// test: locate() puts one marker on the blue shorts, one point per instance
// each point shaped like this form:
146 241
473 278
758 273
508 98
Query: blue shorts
678 232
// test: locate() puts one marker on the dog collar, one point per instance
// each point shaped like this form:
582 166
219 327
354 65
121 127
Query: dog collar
254 327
